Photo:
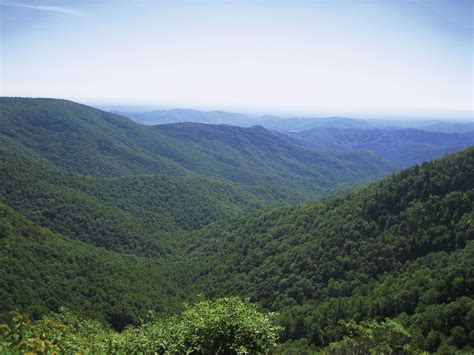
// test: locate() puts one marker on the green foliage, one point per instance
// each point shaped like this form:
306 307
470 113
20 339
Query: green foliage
40 271
221 326
140 215
23 336
112 219
371 337
300 347
63 332
394 247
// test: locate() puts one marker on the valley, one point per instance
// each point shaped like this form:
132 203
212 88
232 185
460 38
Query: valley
113 219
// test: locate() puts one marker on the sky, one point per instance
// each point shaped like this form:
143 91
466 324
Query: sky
340 56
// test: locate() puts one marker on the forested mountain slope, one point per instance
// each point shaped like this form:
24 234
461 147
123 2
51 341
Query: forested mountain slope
103 180
142 215
82 139
87 141
340 258
41 271
255 150
401 147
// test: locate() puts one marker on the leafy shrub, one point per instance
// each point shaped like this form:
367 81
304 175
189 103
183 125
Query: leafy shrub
372 337
222 326
62 331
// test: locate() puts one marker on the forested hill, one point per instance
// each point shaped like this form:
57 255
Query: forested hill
87 141
400 248
142 215
42 271
256 149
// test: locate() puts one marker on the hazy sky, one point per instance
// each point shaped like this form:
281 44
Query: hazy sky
302 56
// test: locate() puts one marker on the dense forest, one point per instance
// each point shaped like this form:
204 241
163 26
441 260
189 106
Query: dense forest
141 231
41 271
139 214
400 248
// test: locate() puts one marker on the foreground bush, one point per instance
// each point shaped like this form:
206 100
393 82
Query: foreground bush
221 326
371 337
59 332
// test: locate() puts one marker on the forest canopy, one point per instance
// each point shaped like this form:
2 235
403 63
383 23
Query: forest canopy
94 237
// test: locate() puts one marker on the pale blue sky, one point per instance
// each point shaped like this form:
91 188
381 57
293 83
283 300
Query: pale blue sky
291 56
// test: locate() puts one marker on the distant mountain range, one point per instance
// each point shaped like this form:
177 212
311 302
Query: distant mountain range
402 147
295 124
401 143
187 115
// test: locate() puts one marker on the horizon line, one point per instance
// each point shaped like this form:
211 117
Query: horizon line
149 105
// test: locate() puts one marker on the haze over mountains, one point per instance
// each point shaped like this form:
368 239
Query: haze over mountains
402 147
293 124
112 218
104 144
400 142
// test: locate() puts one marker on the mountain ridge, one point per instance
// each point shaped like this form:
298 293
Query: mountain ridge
88 141
402 147
294 124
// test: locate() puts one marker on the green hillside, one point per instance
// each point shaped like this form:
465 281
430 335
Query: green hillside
82 139
359 256
401 249
255 156
104 180
41 271
87 141
141 215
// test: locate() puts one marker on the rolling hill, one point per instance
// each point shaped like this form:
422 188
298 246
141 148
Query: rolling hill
140 214
400 248
243 154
